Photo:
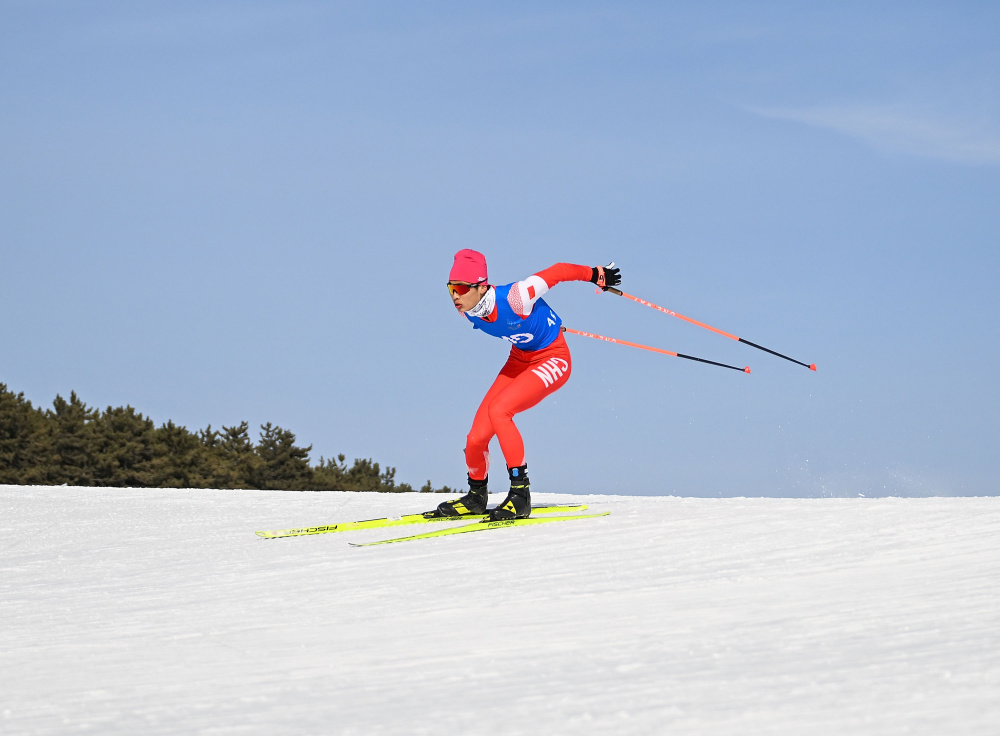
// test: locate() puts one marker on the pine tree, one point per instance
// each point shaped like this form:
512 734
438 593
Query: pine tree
235 460
71 441
363 475
285 466
122 448
25 446
180 460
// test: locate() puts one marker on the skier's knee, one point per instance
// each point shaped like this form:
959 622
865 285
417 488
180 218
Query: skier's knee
475 440
500 414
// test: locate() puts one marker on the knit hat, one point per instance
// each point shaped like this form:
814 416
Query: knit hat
470 267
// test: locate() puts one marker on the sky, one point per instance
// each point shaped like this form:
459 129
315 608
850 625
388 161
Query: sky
221 211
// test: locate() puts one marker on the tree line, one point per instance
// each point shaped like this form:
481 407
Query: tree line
76 445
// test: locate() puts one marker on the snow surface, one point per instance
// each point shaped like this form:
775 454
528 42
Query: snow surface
160 612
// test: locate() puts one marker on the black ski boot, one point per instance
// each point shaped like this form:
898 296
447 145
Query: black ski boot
471 504
517 505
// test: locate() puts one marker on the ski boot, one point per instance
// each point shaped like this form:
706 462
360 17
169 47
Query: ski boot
472 503
517 505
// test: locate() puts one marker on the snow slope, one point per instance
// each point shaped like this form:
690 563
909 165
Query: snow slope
160 612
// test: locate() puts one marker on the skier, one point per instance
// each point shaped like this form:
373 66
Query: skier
539 364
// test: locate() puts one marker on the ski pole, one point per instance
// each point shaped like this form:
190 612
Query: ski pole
655 350
702 324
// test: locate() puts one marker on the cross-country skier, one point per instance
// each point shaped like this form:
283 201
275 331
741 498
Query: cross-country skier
539 364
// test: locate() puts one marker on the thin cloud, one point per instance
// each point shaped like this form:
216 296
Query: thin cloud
901 131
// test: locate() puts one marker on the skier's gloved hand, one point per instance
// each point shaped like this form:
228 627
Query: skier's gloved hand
605 276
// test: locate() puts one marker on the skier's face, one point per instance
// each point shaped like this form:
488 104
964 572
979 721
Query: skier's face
468 300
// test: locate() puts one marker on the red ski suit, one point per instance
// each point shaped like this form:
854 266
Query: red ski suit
527 377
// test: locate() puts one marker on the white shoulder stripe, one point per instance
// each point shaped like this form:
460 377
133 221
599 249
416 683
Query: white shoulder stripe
528 292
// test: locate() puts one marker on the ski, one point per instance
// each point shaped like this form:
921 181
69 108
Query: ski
349 526
481 526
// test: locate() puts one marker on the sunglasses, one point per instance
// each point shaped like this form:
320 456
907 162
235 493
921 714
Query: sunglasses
460 289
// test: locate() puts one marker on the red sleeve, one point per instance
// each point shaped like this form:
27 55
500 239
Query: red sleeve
565 272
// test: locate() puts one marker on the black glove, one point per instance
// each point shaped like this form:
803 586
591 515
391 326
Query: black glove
605 276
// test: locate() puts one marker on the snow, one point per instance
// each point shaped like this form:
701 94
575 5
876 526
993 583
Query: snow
160 612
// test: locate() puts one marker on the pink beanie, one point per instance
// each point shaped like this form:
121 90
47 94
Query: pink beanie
470 267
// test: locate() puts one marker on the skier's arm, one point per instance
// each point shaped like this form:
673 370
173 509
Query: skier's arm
524 294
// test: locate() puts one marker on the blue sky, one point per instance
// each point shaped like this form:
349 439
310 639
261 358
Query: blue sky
220 211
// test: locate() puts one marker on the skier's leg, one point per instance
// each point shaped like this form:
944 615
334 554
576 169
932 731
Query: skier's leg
477 456
543 375
477 442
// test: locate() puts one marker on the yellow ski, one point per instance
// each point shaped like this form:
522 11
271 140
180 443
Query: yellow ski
481 526
349 526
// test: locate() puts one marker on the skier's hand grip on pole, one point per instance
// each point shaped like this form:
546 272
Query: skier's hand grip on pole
606 276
